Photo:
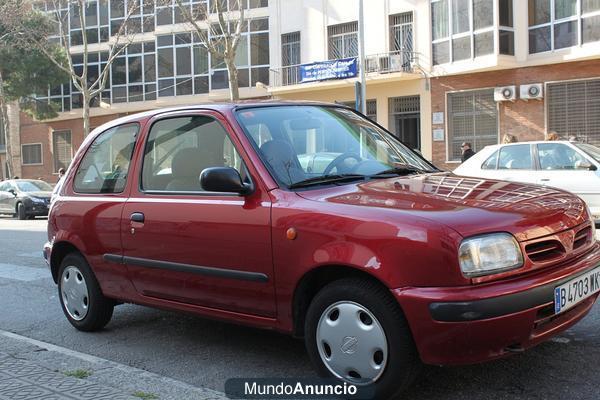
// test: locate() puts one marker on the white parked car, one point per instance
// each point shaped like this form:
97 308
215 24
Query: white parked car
566 165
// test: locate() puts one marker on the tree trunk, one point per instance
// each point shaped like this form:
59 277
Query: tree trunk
86 114
5 130
234 91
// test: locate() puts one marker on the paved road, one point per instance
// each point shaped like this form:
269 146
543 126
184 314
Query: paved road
203 352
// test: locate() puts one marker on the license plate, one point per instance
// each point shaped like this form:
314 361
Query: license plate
572 292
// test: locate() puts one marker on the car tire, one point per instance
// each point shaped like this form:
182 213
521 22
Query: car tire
82 301
21 214
392 364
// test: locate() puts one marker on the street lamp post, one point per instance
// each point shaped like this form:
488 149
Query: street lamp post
361 57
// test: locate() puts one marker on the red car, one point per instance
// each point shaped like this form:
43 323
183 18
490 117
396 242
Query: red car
377 258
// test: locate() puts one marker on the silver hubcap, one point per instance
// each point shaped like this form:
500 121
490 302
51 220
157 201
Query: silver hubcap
74 293
352 343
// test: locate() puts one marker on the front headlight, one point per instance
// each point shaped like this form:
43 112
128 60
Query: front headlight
489 254
37 199
593 220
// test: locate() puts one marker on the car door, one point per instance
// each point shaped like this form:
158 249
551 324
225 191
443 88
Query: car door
183 244
563 167
515 163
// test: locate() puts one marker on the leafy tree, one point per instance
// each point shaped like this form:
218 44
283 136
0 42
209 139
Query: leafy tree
24 71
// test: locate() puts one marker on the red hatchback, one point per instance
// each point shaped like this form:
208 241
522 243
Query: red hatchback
312 220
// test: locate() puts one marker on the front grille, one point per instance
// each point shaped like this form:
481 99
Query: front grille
544 251
582 237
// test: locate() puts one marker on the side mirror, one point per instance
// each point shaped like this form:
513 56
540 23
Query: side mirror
587 166
223 179
14 193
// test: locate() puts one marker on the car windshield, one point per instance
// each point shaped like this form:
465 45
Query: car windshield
304 145
590 150
33 186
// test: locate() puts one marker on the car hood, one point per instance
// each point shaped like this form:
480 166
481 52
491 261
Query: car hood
470 206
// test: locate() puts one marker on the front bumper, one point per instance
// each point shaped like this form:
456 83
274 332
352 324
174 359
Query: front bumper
47 252
37 209
466 325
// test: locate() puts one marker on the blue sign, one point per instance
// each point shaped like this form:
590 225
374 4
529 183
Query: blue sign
333 69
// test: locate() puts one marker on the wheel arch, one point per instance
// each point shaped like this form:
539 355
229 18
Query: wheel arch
59 251
313 281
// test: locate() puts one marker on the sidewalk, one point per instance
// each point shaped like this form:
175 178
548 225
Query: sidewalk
30 369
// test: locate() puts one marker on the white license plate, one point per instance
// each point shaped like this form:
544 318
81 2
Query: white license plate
572 292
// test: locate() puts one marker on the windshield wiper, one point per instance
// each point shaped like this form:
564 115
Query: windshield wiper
318 180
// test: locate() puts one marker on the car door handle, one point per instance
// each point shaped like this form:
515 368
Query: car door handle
137 217
545 180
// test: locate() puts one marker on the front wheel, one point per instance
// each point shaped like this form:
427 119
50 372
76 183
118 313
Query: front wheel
21 214
356 332
82 301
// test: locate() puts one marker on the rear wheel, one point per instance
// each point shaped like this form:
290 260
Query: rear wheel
356 332
21 214
82 301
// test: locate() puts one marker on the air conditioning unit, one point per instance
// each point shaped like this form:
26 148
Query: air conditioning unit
534 91
505 93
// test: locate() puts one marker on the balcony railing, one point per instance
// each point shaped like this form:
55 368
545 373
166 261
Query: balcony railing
383 63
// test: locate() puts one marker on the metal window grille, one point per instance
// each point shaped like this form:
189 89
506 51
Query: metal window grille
371 108
343 40
31 153
404 104
290 58
401 32
472 117
62 150
574 109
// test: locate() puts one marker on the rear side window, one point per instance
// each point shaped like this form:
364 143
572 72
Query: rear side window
515 157
491 162
105 165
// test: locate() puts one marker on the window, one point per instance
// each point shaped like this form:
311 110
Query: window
491 162
134 74
62 150
464 29
371 107
343 40
31 154
290 58
473 118
96 64
554 24
515 157
179 149
557 156
169 12
105 165
401 38
2 139
573 109
96 22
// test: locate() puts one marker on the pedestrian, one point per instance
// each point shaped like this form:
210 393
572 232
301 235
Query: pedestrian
573 139
467 151
15 177
508 138
61 173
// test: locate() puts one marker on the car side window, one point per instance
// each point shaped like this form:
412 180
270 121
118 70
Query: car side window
4 187
105 165
515 157
179 149
557 156
491 162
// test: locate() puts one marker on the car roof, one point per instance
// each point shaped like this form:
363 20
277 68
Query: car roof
219 107
495 146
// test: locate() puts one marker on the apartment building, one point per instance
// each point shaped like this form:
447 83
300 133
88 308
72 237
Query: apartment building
438 72
164 66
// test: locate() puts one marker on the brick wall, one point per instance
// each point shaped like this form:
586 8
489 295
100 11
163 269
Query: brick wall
41 132
524 119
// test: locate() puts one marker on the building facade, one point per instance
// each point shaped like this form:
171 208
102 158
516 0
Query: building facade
438 72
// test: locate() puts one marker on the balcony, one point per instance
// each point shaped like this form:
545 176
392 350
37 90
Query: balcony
382 63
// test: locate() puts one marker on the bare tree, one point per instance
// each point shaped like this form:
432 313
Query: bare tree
221 37
90 86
